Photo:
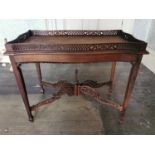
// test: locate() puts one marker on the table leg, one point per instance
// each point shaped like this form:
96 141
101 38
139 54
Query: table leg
21 86
130 85
38 68
112 76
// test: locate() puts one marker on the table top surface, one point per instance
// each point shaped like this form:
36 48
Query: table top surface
75 41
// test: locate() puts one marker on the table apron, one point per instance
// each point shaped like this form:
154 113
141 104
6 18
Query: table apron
75 58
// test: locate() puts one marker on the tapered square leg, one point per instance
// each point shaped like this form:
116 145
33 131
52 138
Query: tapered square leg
38 68
131 81
112 76
21 86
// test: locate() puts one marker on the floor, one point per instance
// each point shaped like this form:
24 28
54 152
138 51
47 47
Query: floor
78 115
74 116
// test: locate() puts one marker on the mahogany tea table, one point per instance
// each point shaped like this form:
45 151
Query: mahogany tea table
75 46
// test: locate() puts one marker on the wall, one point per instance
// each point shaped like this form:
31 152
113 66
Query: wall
144 29
10 29
81 24
141 28
151 36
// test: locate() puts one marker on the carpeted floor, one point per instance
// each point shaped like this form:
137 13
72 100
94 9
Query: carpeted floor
68 115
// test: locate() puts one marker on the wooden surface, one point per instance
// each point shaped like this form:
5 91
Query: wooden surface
74 39
76 53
